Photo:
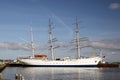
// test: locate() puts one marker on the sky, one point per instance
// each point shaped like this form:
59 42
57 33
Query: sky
99 22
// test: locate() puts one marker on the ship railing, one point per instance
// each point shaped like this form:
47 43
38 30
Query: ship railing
62 59
27 57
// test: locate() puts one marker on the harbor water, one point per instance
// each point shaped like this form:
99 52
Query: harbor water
61 73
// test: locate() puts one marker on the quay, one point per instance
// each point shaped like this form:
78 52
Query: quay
2 65
108 64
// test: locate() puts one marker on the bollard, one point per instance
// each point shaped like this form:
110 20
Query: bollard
22 78
19 77
1 76
16 76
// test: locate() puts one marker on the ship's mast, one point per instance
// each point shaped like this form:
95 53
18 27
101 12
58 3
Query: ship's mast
93 52
32 44
51 39
77 39
100 53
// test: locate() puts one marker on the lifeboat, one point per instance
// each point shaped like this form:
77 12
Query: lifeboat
43 56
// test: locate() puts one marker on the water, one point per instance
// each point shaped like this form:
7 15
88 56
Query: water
41 73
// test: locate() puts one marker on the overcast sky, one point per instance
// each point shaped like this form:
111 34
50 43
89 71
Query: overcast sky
99 21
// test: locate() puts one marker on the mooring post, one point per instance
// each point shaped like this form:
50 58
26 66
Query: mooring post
19 77
1 76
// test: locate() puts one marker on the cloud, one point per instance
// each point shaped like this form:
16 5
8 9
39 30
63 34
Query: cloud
113 44
109 44
27 46
114 6
15 46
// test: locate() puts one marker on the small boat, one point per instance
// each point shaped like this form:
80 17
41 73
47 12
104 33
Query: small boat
42 61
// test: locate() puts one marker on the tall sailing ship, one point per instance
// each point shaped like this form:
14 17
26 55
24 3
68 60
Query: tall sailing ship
42 61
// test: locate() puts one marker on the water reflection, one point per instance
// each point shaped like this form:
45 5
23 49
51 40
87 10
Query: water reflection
41 73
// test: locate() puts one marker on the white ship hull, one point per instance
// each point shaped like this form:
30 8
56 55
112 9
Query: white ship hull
83 62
